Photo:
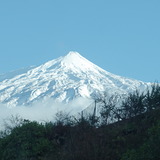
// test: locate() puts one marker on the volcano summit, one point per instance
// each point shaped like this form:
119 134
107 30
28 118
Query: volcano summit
62 79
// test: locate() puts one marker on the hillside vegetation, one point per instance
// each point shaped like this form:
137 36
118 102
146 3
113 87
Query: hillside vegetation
134 135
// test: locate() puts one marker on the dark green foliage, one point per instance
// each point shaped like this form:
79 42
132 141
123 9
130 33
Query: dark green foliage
152 100
80 141
133 105
28 141
134 135
108 108
149 149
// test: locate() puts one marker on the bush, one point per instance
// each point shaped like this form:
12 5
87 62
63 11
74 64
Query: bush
26 142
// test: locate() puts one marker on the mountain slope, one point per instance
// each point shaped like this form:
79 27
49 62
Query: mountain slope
63 79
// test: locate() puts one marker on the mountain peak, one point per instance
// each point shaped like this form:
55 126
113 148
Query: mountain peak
75 60
72 56
63 79
73 53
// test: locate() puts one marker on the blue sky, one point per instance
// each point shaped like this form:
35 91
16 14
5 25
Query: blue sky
121 36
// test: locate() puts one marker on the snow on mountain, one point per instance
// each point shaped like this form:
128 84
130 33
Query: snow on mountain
12 74
63 80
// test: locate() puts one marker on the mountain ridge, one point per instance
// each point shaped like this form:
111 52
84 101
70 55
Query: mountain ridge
64 79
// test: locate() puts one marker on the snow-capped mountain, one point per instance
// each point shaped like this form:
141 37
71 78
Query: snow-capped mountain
62 79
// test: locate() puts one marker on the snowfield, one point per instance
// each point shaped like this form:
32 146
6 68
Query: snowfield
68 84
63 80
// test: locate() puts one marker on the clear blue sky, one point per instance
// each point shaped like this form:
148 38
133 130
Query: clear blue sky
121 36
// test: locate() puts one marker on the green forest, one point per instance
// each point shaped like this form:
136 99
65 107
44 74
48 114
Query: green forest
129 132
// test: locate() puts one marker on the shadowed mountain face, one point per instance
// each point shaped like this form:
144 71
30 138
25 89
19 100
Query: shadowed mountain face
62 79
